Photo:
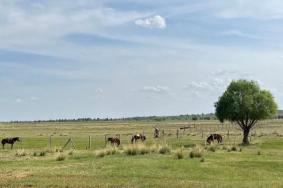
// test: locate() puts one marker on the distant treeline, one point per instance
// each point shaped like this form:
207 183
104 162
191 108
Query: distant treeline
210 116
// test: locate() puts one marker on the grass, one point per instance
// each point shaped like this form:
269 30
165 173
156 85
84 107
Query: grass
147 167
196 152
60 157
179 154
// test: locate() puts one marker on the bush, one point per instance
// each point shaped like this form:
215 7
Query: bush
100 153
258 153
138 149
42 153
179 154
164 149
202 160
21 153
131 150
234 148
60 157
196 152
153 148
58 150
71 152
34 154
212 148
110 151
143 150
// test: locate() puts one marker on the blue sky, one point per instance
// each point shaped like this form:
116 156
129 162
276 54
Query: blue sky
83 58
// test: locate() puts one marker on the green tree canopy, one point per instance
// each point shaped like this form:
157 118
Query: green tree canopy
245 103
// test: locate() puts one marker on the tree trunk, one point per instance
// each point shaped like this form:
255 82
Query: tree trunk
246 136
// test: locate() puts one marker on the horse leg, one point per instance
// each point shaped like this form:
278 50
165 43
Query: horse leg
12 146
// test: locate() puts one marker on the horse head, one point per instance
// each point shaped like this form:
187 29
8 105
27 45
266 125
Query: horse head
17 139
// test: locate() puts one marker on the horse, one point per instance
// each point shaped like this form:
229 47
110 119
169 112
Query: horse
10 141
137 137
156 133
114 141
213 137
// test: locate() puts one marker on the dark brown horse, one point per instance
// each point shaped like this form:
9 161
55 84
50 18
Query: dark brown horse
213 137
114 141
156 133
138 137
10 141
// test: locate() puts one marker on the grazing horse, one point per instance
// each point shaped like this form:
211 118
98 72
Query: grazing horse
213 137
10 141
114 141
137 137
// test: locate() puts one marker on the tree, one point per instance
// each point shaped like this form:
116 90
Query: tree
245 103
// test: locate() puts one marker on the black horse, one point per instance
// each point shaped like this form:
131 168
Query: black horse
213 137
114 141
156 133
137 137
10 141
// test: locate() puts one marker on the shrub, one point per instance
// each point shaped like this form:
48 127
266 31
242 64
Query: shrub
34 154
179 154
233 148
202 160
258 153
143 149
100 153
131 150
138 149
58 150
110 151
212 148
164 149
60 157
42 153
71 152
153 149
196 152
224 147
21 153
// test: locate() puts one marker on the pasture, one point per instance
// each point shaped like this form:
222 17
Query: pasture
34 163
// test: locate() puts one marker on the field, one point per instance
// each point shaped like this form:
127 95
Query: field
34 163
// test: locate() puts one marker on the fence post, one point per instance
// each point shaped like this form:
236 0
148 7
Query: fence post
177 133
89 142
228 134
105 140
50 142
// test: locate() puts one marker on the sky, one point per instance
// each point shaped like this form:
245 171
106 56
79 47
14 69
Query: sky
109 58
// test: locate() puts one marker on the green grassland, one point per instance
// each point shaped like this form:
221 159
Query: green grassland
257 165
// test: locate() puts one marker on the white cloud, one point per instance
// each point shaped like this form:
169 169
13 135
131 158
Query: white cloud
99 91
215 84
19 100
34 98
237 33
152 22
155 89
261 10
